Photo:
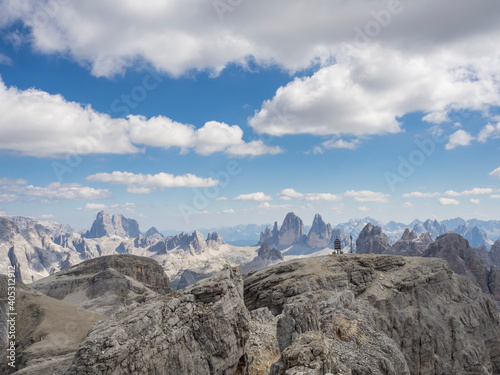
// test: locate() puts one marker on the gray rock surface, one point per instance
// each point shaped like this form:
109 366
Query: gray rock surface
292 230
270 236
200 330
108 283
48 331
265 257
372 240
113 225
373 314
410 244
320 233
473 234
189 277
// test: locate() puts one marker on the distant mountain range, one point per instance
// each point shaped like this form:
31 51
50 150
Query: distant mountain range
487 231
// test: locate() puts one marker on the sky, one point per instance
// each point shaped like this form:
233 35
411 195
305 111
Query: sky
210 113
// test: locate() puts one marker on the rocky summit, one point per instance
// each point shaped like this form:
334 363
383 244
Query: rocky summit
106 284
335 314
113 225
373 314
372 240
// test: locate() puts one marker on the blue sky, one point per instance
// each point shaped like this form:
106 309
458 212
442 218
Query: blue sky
202 115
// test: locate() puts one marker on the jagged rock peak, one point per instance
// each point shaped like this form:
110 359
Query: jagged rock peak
268 236
319 234
266 252
408 235
292 230
152 231
113 225
372 240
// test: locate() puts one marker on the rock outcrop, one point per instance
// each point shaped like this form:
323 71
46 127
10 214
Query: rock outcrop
377 314
200 330
48 331
106 284
113 225
372 240
214 240
320 233
410 244
270 236
189 277
465 260
292 231
265 257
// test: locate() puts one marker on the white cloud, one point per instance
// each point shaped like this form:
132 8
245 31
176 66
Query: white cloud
496 172
288 194
363 208
407 204
54 192
10 181
93 207
7 198
475 201
258 197
229 211
495 196
40 124
93 32
268 206
218 199
488 131
448 202
474 191
367 196
147 183
47 216
321 197
459 138
366 91
340 143
418 194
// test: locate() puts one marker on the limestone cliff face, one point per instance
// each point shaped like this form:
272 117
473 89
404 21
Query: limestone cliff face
377 314
108 283
265 257
434 228
113 225
200 330
270 236
372 240
410 244
465 260
292 230
320 233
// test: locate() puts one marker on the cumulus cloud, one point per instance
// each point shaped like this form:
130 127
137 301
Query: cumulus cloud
218 199
418 194
448 202
268 206
475 201
288 194
489 131
229 211
54 192
203 37
363 208
47 217
474 191
340 143
367 196
407 204
93 207
258 197
40 124
495 173
459 138
147 183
